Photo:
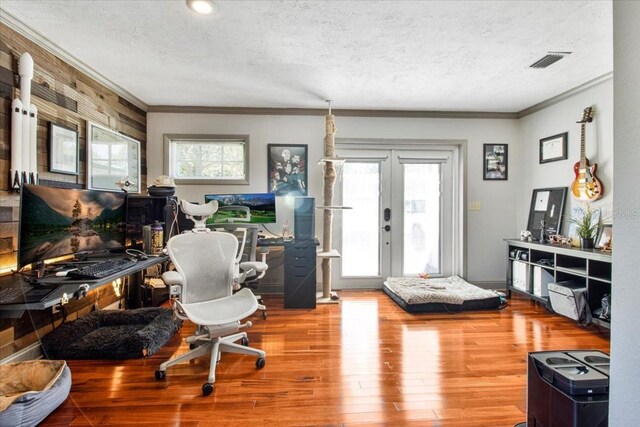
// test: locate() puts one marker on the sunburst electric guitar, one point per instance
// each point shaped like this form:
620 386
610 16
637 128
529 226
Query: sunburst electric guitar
586 186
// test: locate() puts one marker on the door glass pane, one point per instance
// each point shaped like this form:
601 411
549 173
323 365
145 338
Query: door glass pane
421 238
361 225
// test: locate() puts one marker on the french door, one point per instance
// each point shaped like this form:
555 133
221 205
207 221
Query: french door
404 218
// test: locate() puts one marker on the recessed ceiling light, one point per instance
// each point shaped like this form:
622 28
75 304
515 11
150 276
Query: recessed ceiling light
203 7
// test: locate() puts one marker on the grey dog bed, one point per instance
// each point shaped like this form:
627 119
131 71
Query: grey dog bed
31 408
446 294
112 334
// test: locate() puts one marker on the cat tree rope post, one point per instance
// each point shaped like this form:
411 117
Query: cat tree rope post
329 183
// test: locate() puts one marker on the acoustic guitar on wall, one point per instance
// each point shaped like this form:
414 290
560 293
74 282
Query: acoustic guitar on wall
586 187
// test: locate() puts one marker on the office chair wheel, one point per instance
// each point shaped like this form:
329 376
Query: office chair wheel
260 363
264 314
245 341
160 375
195 345
207 389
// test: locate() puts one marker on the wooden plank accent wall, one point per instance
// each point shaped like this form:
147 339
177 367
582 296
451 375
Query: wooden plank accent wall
67 97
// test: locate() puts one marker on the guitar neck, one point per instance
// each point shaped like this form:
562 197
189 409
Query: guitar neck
583 161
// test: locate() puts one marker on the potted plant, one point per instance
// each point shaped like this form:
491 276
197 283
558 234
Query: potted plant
586 226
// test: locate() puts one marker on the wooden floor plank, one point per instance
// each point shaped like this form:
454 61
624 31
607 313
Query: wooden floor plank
364 362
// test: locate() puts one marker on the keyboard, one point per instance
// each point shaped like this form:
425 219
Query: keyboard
101 269
24 295
10 295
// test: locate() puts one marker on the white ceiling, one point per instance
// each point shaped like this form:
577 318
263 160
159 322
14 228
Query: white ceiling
409 55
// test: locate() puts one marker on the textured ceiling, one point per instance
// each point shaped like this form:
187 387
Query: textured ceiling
409 55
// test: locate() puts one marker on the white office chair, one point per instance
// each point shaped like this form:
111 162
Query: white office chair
205 265
247 272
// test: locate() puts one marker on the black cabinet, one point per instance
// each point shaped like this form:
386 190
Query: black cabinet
300 274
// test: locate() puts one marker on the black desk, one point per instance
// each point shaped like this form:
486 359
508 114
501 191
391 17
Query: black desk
299 270
65 286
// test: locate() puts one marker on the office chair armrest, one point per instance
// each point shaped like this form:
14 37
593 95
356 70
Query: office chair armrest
172 278
257 266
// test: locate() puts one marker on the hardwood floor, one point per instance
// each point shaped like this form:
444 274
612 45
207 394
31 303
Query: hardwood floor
364 361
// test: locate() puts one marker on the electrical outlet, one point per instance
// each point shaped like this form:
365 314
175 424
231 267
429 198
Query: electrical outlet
474 206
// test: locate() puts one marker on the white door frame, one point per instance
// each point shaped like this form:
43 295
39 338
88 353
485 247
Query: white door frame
458 149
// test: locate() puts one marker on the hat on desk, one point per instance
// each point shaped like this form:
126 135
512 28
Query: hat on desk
164 181
162 186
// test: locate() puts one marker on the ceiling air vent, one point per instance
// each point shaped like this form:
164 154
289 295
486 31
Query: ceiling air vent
550 58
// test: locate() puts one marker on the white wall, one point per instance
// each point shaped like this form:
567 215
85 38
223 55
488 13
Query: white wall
559 118
625 337
485 228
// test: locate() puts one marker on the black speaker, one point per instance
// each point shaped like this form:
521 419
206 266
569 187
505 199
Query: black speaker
304 215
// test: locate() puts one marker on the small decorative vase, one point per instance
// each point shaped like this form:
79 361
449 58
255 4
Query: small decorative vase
586 243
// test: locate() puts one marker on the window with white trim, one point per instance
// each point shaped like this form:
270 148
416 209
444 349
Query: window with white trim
207 159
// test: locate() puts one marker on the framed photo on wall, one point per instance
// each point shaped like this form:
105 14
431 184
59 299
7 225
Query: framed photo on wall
63 149
287 168
554 148
496 157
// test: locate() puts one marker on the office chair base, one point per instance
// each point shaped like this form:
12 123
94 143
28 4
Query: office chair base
214 347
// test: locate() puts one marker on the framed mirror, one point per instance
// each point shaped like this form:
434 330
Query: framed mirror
111 156
547 204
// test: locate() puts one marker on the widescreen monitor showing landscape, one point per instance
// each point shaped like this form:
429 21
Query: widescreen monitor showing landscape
56 222
258 208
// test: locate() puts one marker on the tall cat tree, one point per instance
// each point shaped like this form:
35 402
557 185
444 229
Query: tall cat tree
327 253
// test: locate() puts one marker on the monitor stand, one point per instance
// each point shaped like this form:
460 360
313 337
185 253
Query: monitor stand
38 268
81 256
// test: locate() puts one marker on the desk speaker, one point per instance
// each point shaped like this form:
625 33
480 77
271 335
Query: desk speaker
304 218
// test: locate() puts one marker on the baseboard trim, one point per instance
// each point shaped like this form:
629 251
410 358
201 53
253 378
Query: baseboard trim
489 284
31 352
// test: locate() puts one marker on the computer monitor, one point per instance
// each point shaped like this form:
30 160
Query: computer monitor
244 208
58 221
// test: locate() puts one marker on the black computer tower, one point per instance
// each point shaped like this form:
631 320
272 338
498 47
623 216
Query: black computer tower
304 224
144 210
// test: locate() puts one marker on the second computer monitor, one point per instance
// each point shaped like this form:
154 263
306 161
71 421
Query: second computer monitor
244 208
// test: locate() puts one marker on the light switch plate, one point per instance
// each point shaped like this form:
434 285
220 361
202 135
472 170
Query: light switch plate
474 206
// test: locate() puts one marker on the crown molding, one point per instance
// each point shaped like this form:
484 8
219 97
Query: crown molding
20 27
564 95
323 111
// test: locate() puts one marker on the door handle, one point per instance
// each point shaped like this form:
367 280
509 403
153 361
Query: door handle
387 228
